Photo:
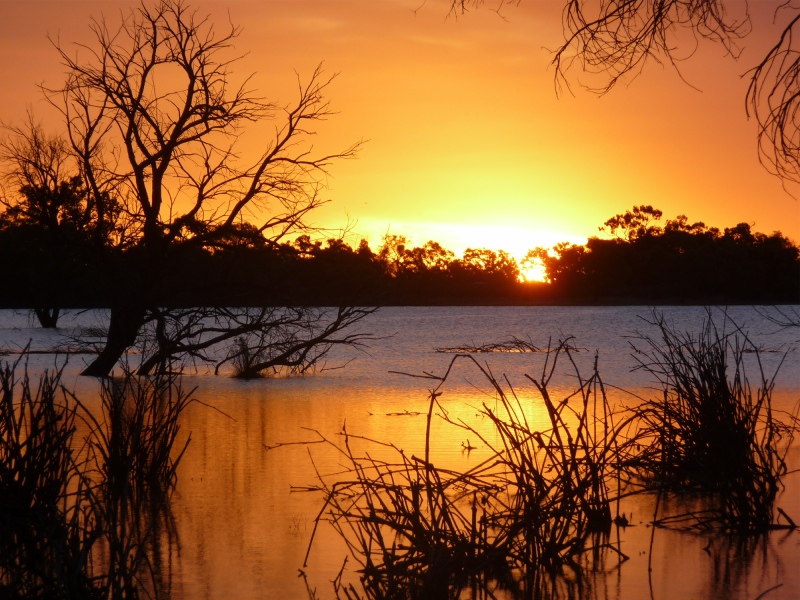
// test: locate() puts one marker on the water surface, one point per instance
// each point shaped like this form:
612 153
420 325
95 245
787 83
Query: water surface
242 532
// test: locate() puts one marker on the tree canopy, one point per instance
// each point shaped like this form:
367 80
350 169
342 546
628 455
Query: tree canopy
639 259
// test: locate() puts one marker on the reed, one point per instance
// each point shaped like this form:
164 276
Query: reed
47 523
713 431
531 518
85 518
135 445
534 518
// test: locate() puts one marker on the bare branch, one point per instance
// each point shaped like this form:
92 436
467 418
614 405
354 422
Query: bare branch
612 39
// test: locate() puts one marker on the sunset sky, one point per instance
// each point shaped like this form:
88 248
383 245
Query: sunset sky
468 143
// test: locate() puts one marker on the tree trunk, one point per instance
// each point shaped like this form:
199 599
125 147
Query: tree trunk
48 317
122 331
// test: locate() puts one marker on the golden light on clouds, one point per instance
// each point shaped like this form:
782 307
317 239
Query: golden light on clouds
468 143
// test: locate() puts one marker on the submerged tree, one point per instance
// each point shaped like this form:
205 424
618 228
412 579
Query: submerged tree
154 118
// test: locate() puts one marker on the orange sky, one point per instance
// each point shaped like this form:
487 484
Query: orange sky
468 142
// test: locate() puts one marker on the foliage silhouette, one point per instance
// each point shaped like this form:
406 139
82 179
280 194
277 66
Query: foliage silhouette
681 262
49 209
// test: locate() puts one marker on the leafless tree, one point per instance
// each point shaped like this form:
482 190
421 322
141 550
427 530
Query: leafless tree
32 159
42 189
155 118
773 98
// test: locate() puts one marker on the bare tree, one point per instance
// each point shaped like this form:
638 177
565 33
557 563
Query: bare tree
154 118
34 174
773 98
32 159
255 340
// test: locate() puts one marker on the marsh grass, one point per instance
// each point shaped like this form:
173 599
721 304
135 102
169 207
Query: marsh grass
85 518
712 431
47 523
531 518
535 517
135 448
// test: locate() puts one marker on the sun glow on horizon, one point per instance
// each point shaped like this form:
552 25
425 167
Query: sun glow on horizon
536 272
457 237
468 143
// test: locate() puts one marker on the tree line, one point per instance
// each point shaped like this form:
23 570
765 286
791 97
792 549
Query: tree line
58 262
681 262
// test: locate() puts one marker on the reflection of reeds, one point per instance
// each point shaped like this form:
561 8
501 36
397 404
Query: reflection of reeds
712 432
537 509
136 435
86 520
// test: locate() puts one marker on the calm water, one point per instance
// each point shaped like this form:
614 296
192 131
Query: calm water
242 533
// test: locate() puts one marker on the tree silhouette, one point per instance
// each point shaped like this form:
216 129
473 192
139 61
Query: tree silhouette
634 223
680 262
154 118
49 211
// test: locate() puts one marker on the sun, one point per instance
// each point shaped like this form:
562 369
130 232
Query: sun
536 272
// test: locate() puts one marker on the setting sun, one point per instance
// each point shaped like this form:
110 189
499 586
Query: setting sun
536 272
516 241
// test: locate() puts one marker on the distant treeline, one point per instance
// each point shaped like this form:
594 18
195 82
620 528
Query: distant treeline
642 263
680 263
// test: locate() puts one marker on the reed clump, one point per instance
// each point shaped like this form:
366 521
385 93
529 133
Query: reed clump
712 431
534 518
135 450
531 518
47 523
85 517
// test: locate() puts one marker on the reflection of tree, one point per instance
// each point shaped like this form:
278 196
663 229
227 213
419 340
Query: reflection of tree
153 117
